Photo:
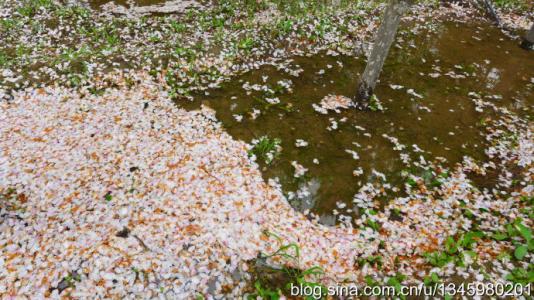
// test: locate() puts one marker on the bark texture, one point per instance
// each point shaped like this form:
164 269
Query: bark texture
490 9
528 40
383 40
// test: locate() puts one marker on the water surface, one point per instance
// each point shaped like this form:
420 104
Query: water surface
440 70
96 4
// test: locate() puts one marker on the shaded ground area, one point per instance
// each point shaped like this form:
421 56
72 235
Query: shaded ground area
426 91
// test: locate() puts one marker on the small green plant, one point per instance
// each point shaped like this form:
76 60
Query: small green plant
529 200
74 80
154 39
217 22
246 44
69 281
521 275
4 59
284 27
31 7
264 292
108 196
431 279
293 276
371 223
9 25
375 104
186 53
320 30
436 181
520 235
519 5
72 11
177 26
438 259
396 283
456 250
411 182
373 260
71 278
370 281
267 149
431 178
26 10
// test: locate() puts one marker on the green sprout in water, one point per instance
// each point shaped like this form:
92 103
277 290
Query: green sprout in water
375 105
265 148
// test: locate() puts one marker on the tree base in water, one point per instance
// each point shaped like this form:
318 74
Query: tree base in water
363 96
527 45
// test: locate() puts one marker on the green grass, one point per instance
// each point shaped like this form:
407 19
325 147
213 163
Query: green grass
231 23
521 275
72 12
374 104
515 5
4 59
290 252
29 8
455 249
519 235
266 148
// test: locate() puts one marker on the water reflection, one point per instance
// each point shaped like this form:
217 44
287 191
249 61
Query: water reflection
493 78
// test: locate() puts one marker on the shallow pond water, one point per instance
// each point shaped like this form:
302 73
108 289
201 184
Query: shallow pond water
96 4
432 114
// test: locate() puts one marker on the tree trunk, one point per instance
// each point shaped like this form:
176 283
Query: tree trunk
383 40
528 40
490 9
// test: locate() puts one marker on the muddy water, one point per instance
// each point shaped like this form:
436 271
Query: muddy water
96 4
436 119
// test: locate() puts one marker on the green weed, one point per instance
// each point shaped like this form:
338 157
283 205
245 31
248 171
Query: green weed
283 27
31 7
374 104
246 44
518 5
4 59
455 250
177 26
292 276
520 235
267 149
372 260
72 12
521 275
